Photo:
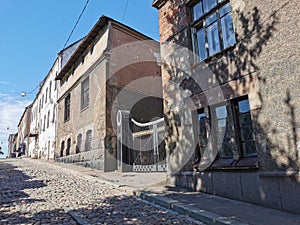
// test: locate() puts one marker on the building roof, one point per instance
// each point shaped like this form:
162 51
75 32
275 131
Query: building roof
89 38
158 3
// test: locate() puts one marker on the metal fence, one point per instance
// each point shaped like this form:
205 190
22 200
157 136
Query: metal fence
141 146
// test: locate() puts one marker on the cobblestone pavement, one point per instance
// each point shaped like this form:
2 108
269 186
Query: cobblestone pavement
40 193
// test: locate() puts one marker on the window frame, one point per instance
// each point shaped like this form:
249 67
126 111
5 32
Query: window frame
67 108
88 140
228 162
199 24
85 96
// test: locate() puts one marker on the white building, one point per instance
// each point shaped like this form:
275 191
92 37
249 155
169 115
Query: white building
44 110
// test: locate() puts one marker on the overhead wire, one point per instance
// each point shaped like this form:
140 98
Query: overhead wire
125 10
70 35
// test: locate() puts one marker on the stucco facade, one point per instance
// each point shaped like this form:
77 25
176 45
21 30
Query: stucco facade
44 110
259 71
23 137
88 98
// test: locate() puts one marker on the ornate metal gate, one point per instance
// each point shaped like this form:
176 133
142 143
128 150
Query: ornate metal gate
141 146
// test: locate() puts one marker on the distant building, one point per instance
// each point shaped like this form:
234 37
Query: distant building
230 72
44 110
95 83
23 137
12 145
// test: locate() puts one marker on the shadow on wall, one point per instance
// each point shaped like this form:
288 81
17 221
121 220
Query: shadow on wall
242 70
238 73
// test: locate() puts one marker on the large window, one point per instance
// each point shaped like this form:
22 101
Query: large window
230 129
212 27
245 128
67 107
85 93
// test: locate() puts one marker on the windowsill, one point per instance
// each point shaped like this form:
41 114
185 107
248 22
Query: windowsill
218 55
85 108
67 120
232 164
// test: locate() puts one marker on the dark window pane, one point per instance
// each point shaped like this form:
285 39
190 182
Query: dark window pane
201 44
245 119
226 150
247 133
209 4
85 93
213 39
227 31
197 11
249 148
67 107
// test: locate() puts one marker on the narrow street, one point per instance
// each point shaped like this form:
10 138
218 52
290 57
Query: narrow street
41 193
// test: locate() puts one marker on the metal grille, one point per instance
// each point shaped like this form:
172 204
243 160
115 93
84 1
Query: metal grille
142 145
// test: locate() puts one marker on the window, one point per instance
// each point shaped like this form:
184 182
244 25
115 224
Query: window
85 93
203 133
44 124
68 146
67 107
62 147
231 130
48 121
50 91
79 143
245 128
41 127
53 116
46 98
88 140
212 27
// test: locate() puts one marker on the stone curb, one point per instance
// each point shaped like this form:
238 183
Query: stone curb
166 202
185 209
79 220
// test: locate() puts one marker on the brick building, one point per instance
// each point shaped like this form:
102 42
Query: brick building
230 73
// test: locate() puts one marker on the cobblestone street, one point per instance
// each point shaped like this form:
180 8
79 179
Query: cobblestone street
40 193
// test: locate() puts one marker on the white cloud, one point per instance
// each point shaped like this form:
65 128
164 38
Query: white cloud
11 110
6 83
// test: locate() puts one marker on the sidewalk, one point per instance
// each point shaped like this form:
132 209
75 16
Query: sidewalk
203 207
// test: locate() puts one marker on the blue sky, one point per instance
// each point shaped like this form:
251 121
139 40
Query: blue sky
34 31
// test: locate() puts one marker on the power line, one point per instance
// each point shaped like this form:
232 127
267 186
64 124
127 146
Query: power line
125 10
76 23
